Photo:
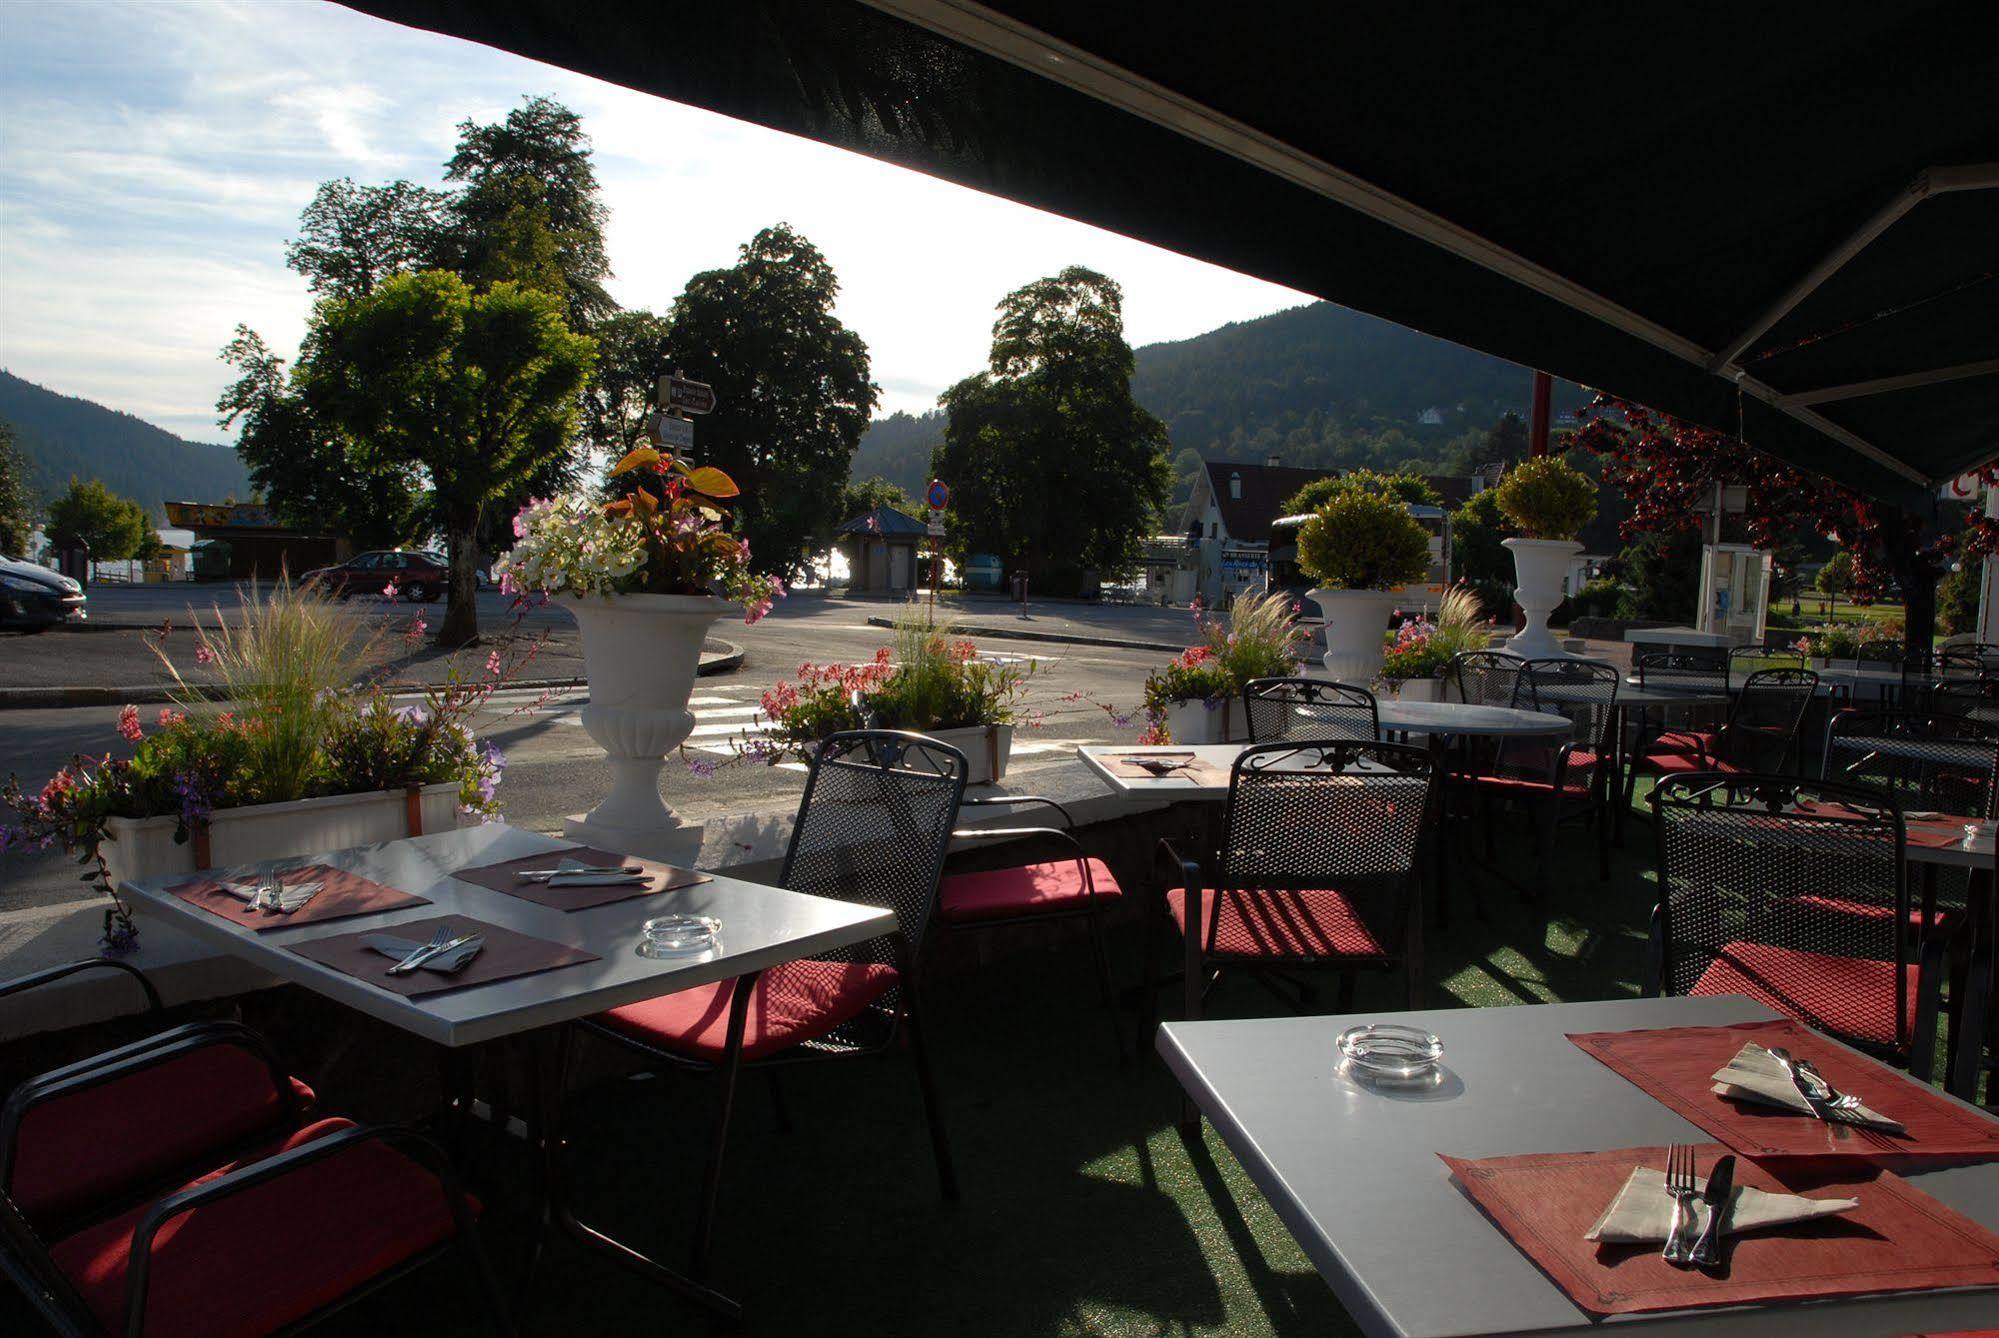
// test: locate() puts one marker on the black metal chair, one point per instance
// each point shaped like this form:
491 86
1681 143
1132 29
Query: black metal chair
1794 893
1966 699
1567 780
1944 763
873 827
1317 866
1760 734
1967 659
1308 708
1752 659
1486 677
1683 671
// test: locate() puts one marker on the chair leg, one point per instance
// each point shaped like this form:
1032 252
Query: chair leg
711 1180
1104 985
778 1104
940 1147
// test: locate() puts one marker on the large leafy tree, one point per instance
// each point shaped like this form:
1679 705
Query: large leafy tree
1052 463
310 471
351 237
792 388
17 520
632 351
477 390
112 527
1411 488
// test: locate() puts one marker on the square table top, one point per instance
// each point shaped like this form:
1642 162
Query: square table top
761 926
1354 1172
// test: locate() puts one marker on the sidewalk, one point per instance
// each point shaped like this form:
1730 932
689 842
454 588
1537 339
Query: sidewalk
1075 622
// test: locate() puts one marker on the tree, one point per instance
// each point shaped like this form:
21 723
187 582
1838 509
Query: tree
352 237
110 526
1662 576
477 390
792 389
528 211
1478 536
17 521
1957 597
1052 463
1835 578
857 499
1413 489
311 473
632 352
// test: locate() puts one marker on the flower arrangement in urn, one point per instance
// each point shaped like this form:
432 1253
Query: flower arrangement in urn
1550 500
1193 699
1420 650
1359 547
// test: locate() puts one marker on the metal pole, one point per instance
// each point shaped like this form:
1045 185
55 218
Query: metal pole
1537 424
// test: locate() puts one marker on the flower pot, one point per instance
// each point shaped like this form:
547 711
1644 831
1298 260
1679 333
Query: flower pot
986 749
1416 689
1538 568
145 847
640 655
1356 620
1194 720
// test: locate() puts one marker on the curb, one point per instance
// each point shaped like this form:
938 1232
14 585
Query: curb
712 662
1058 638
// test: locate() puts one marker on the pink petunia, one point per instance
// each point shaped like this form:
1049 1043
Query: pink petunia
389 592
128 724
170 717
203 655
493 663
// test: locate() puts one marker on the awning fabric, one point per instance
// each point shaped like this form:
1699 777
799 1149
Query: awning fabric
1617 195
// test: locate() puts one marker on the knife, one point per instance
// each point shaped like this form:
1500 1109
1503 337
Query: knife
1717 1197
1801 1083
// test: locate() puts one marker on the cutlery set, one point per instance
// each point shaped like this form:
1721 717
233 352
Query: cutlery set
570 873
270 894
1687 1247
445 952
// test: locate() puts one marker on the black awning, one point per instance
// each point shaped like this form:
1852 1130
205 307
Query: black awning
1620 197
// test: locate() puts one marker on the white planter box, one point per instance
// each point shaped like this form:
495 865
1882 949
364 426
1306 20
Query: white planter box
986 749
145 847
1193 721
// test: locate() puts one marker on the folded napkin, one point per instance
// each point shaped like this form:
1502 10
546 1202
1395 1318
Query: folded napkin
1642 1212
1757 1075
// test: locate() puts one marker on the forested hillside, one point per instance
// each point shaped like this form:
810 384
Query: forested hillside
60 436
1316 386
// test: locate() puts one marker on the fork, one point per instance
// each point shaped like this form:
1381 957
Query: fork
437 942
1834 1099
270 892
1682 1184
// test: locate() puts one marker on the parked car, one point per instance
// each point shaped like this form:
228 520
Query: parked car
33 598
415 575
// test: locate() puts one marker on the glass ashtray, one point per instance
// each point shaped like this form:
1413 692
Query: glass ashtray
678 935
1385 1050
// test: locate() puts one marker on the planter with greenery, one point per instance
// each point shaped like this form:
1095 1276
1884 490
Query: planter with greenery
1360 547
1420 651
1197 697
1550 500
642 573
926 682
303 761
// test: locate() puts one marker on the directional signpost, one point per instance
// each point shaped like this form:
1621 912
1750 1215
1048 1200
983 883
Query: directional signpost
679 397
939 497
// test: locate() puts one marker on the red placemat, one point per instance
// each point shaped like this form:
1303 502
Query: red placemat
1676 1065
1933 833
343 895
1125 765
506 956
501 878
1898 1240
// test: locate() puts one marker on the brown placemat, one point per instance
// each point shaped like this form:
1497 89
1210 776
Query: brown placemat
1898 1240
1195 772
1676 1066
506 955
500 878
344 895
1933 833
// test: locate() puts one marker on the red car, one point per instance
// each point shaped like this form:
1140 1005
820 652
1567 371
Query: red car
417 576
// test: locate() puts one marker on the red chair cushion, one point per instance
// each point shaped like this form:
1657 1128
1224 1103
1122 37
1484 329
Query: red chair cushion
1681 762
1684 741
793 1003
1866 910
83 1150
1850 996
269 1255
1028 889
1313 924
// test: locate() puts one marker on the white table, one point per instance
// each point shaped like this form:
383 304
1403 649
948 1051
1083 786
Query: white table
761 927
1175 785
1355 1174
1466 720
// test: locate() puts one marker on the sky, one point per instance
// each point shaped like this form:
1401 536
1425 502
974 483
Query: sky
154 158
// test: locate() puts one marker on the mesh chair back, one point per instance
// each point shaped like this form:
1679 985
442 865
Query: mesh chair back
1681 671
1763 724
1325 814
1966 699
1791 891
1746 660
1582 691
1967 660
873 828
1940 763
1308 708
1487 677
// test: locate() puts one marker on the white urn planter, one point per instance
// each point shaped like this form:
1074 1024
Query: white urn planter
1193 720
640 655
1356 623
986 749
1538 568
145 847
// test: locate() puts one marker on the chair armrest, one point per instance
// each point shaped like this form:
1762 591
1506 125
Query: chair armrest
49 975
413 1145
1188 871
1015 833
151 1052
1000 800
1654 985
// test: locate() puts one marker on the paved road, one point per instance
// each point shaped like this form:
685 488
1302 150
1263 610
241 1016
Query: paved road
553 767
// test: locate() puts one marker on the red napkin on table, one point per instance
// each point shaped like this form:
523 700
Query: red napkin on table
1898 1239
1676 1066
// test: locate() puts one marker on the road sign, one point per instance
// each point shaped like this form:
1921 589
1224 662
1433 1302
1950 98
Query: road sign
937 529
939 496
677 392
677 433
